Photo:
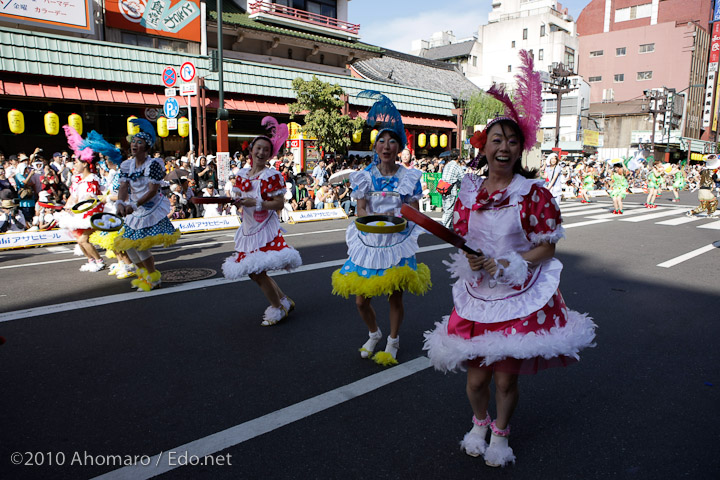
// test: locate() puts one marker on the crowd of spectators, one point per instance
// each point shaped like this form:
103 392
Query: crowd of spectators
26 180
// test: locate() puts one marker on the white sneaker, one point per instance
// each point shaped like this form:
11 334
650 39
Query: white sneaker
95 266
87 266
114 268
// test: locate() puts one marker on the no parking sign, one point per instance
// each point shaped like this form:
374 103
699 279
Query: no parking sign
169 76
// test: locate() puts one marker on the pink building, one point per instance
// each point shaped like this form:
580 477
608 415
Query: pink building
630 46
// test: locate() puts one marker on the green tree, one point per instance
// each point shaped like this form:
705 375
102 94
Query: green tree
480 108
321 103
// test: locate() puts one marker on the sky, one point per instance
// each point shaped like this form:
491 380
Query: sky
394 24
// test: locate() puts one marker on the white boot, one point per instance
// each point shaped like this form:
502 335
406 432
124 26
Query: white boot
369 347
499 453
474 443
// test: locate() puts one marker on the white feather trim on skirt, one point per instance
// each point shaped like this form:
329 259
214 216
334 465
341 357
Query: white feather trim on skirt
449 352
72 221
288 258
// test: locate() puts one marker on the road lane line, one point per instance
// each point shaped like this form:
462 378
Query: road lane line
243 432
653 216
626 213
678 221
578 213
123 297
582 224
711 226
687 256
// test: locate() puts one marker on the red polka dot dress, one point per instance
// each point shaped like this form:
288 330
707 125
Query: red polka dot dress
517 322
259 244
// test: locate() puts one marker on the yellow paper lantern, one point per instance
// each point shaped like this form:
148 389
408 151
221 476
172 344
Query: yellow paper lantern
183 127
132 129
52 123
433 140
16 120
162 128
294 130
422 140
75 121
357 136
373 135
443 140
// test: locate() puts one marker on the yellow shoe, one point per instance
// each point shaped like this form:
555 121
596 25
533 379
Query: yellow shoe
141 273
150 282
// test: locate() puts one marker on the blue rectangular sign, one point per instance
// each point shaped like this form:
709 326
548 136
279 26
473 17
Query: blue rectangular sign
716 14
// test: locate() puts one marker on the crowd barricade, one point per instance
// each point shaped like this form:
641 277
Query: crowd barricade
299 216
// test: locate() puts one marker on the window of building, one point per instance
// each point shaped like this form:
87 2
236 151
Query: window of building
322 58
620 52
542 30
512 45
619 77
524 33
154 42
509 68
596 53
644 75
595 79
633 13
569 59
474 60
541 54
532 54
290 53
647 48
321 7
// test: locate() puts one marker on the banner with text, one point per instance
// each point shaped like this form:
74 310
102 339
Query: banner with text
167 18
69 15
315 215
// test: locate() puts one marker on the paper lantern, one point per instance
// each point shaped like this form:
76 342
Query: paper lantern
373 135
433 140
132 129
245 145
162 127
75 121
443 140
422 140
52 123
16 120
357 136
183 127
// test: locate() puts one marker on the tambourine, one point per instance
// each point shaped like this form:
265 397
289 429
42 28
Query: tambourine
84 206
380 224
54 206
106 222
205 200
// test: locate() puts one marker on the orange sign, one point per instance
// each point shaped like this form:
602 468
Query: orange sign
167 18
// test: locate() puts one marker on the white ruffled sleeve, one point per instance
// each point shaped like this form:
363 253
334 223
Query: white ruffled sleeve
125 168
361 184
409 185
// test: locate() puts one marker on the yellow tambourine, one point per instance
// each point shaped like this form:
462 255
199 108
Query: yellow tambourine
380 224
84 206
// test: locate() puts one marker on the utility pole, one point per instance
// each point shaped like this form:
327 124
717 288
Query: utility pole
559 85
657 100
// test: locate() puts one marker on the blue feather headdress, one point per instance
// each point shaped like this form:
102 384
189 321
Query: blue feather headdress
384 112
97 143
147 131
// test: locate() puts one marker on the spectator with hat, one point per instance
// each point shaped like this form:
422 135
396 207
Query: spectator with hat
11 219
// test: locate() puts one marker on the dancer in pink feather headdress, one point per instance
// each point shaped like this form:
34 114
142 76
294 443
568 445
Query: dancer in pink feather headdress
509 317
259 244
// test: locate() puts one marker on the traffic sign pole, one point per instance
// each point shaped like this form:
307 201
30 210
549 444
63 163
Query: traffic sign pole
192 147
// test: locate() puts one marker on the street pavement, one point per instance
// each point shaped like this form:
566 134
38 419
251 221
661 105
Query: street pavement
99 380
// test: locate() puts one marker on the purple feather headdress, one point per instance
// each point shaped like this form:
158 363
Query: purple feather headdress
527 109
279 133
75 141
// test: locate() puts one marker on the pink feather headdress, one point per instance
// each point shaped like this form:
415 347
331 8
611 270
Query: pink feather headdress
527 109
278 134
75 141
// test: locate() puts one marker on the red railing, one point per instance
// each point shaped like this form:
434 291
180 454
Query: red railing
302 15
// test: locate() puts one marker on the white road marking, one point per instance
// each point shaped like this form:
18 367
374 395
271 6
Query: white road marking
687 256
123 297
711 226
678 221
579 213
59 249
243 432
626 213
653 216
582 224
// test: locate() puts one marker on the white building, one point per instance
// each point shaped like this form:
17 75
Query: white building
542 27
